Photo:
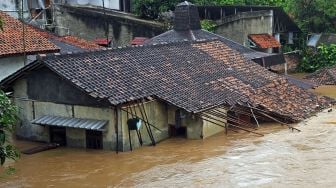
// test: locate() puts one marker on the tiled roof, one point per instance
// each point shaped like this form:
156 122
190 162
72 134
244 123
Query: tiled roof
68 43
264 40
194 76
138 40
324 76
11 39
102 41
187 27
194 35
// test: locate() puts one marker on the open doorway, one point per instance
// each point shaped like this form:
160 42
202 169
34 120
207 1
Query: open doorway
57 135
177 130
94 139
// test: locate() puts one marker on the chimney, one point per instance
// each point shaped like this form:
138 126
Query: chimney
186 17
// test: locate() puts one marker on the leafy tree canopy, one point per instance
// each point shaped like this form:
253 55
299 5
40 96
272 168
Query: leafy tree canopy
8 117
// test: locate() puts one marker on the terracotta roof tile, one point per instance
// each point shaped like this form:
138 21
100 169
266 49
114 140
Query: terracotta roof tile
69 39
138 40
11 39
194 76
324 76
264 40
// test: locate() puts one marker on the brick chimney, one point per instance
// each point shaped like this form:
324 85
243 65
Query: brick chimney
186 17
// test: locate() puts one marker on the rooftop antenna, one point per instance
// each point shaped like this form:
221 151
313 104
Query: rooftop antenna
106 25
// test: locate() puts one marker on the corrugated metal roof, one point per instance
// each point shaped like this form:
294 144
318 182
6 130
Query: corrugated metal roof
313 40
79 123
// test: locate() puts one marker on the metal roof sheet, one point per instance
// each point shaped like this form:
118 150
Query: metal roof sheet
59 121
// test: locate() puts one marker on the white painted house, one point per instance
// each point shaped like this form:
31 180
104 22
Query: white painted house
14 53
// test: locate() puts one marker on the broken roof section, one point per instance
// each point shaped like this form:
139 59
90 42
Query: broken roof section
324 76
11 39
264 41
187 28
194 76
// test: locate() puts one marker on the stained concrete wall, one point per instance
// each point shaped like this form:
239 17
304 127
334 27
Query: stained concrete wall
240 26
210 128
13 6
89 25
157 115
9 65
29 109
109 137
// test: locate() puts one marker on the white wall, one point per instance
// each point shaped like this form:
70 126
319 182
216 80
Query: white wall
111 4
9 65
10 5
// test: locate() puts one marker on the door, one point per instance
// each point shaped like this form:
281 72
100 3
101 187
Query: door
94 139
58 135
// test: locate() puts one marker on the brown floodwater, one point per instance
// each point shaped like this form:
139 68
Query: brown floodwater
326 90
281 158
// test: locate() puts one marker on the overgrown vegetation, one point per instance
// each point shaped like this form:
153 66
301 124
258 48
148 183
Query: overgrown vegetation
314 59
208 25
310 15
8 118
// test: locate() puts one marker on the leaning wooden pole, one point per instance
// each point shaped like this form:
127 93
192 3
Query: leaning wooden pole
255 118
150 130
116 129
146 125
236 126
272 118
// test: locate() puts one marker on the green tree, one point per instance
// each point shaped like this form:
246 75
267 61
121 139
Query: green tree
314 59
208 25
8 118
314 15
1 24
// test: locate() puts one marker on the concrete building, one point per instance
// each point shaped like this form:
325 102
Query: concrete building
121 98
238 22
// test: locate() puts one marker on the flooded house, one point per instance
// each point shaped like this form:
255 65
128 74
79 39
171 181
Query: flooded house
122 98
14 53
90 99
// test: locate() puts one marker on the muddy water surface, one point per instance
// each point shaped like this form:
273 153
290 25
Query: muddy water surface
281 158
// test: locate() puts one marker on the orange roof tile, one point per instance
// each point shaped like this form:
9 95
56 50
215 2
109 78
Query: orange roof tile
138 40
75 41
264 41
11 39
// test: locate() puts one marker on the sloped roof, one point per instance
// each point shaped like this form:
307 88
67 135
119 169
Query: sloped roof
68 43
324 76
194 35
194 76
185 31
11 39
264 40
